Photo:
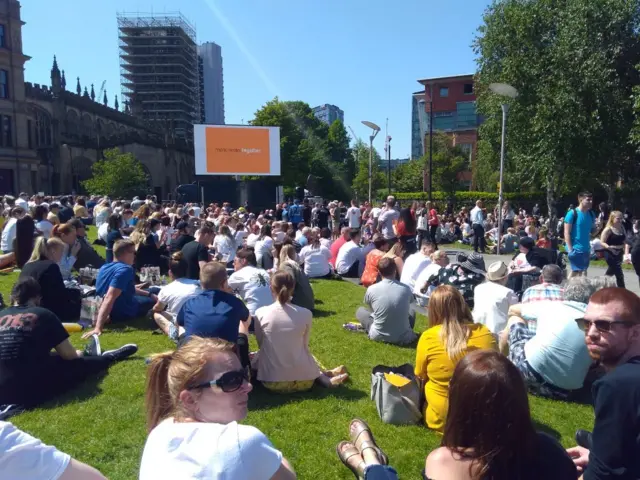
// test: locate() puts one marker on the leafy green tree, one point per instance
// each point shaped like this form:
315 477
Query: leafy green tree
408 177
574 65
361 181
118 174
449 162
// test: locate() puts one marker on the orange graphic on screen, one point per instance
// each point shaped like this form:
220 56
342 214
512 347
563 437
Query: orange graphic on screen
237 150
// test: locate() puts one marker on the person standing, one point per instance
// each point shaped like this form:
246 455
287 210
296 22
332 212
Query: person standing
386 220
306 213
477 223
353 215
578 225
322 216
433 222
613 241
508 215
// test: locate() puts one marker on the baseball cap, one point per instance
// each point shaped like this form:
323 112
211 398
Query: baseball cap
182 225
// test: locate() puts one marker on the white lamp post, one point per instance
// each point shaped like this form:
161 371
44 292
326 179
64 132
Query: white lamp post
375 129
507 91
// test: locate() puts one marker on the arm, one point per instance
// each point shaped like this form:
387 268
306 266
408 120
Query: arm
567 235
105 310
79 471
605 237
65 350
285 472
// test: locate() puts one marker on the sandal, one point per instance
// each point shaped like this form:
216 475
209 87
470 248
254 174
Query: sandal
336 371
345 454
364 427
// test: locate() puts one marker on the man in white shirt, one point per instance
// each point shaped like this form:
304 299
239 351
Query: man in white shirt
250 282
350 261
477 223
421 290
416 263
27 458
387 218
353 215
22 201
492 299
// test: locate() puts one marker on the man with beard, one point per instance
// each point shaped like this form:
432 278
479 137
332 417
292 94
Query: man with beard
611 324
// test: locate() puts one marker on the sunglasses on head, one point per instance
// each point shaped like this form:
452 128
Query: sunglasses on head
601 325
228 382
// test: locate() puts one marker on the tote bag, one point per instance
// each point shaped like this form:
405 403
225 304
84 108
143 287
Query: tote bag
397 405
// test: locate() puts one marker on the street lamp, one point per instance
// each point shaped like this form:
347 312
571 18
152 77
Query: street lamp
375 129
507 91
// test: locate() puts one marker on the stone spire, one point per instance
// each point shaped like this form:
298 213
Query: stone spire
93 93
78 87
117 106
105 101
55 70
63 81
56 80
86 93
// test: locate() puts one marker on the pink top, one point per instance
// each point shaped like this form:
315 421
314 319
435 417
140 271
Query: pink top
283 334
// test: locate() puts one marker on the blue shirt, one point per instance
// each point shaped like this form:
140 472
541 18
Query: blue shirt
122 276
213 314
581 229
112 236
285 215
295 214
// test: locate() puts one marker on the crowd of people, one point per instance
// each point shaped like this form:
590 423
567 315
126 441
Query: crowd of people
494 333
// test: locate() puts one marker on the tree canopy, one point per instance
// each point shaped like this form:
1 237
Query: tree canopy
118 175
574 64
361 180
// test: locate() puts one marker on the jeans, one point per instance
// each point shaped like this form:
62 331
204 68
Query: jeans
614 262
478 238
144 305
433 229
380 472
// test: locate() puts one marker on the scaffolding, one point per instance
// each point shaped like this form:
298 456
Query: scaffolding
159 72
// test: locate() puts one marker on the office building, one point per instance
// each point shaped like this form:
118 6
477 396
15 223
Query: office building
395 162
454 113
328 113
159 70
418 125
211 84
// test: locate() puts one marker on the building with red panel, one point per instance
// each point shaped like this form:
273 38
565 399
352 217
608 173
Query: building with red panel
453 101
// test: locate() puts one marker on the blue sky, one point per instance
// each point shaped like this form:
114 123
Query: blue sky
364 56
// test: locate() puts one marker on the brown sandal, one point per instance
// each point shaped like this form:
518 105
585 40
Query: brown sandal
360 429
346 454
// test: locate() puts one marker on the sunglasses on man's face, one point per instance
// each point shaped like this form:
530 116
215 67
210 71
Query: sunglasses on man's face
601 325
228 382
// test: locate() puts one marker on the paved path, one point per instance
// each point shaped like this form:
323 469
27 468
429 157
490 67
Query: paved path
630 277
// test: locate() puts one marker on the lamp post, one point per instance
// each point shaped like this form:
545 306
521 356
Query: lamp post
507 91
375 129
431 142
388 165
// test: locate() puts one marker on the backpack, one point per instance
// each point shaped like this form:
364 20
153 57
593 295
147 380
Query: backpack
575 216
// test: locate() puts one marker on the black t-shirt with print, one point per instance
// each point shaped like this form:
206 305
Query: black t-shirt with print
27 335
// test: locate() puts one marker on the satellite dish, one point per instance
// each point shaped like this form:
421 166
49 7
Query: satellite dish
503 89
371 125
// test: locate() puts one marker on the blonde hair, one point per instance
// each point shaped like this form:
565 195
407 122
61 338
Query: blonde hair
139 234
287 253
612 215
43 247
172 372
282 285
448 308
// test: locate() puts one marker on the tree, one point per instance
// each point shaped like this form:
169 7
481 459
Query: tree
361 181
118 175
449 162
408 176
574 65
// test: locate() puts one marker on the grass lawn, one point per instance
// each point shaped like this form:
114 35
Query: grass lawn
103 422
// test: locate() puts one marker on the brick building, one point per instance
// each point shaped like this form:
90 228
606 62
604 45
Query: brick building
454 112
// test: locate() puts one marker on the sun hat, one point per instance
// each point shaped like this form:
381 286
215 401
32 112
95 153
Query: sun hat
472 262
497 271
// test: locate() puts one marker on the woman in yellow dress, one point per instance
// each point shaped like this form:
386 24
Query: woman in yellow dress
450 336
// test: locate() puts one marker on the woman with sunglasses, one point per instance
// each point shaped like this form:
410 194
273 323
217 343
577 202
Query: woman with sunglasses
195 398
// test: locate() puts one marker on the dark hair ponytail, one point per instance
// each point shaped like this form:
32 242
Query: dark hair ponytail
282 285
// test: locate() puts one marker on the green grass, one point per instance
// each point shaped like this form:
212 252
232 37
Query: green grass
103 422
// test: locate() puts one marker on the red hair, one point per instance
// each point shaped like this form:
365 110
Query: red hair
629 301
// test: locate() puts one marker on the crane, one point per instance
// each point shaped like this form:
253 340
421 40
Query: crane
99 97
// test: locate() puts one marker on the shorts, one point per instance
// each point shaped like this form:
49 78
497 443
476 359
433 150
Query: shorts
519 335
289 387
579 261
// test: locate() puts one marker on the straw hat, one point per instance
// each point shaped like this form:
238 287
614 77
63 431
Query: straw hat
497 271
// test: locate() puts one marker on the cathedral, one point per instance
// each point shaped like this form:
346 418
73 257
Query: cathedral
50 136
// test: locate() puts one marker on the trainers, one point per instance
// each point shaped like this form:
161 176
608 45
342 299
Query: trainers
122 352
92 348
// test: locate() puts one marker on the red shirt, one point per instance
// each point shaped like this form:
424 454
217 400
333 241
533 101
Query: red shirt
335 248
433 217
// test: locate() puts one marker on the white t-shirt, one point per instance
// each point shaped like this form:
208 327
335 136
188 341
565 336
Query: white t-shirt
316 261
177 293
240 236
349 254
225 246
252 239
45 226
491 303
326 242
386 223
375 212
263 247
103 231
413 267
27 458
209 451
196 211
8 235
102 216
252 285
431 270
353 216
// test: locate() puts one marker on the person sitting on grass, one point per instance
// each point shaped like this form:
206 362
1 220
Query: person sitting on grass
450 336
493 298
68 234
172 297
350 260
64 302
196 397
249 282
362 455
87 255
422 289
371 275
122 300
27 458
387 316
216 312
315 258
284 362
550 287
30 374
489 432
416 263
303 293
114 233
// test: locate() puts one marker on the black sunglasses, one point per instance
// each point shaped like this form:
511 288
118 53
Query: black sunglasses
601 325
228 382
